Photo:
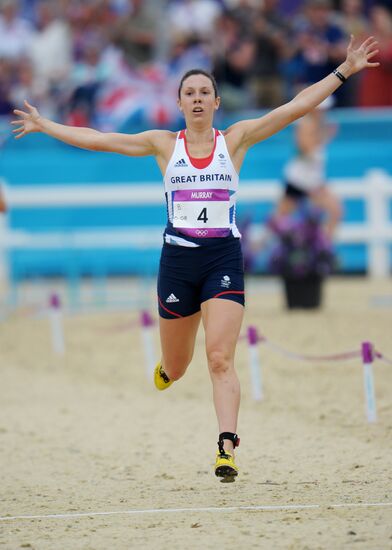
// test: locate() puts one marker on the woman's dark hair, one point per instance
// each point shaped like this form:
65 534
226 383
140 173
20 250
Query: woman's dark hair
198 71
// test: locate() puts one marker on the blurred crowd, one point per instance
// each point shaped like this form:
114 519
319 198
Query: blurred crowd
106 62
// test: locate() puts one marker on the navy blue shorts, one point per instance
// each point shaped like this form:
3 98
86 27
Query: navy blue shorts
189 276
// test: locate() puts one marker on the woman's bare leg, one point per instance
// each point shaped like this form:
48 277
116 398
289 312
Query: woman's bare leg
178 343
222 324
325 199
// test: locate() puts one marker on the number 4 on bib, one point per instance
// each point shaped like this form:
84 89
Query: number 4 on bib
201 212
203 216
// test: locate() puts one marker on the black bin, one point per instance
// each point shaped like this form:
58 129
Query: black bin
305 293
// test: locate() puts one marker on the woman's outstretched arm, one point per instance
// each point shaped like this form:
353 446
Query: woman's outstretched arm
252 131
142 144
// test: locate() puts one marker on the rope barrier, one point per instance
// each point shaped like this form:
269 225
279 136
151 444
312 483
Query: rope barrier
382 358
344 356
367 353
146 323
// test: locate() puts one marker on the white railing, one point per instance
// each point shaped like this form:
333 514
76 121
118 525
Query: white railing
375 188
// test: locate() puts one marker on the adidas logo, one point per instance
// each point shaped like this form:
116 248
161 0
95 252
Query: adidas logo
171 299
181 163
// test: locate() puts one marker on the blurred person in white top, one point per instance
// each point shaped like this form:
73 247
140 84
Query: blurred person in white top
51 48
191 17
28 85
15 31
305 173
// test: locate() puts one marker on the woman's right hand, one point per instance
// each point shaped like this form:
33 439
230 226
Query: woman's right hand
28 122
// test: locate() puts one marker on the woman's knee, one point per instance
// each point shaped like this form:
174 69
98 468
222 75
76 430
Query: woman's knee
175 367
219 362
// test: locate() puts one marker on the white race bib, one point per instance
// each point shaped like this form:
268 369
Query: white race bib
202 212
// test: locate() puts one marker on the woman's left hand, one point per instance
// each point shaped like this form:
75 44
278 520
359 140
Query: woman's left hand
358 58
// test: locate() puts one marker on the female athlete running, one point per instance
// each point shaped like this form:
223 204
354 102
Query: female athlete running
201 272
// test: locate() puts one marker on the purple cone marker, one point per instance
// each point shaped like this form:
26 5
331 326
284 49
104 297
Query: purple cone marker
54 301
146 325
254 363
368 380
367 352
253 337
56 325
145 319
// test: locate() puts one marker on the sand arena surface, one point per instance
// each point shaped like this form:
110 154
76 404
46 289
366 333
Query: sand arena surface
88 433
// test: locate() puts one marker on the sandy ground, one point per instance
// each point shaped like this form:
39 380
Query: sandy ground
88 433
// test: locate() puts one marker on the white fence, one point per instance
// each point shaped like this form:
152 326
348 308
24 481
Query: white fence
375 188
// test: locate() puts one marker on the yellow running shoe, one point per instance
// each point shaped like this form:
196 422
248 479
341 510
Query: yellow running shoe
161 380
225 466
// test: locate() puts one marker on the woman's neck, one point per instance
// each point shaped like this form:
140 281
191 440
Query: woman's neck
199 135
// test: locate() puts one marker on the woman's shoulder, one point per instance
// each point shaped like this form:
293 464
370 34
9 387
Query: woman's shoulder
163 140
164 135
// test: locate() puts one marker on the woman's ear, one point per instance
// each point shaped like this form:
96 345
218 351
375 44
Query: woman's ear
179 104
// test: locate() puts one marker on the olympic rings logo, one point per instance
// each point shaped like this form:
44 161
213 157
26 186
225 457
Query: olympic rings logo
202 232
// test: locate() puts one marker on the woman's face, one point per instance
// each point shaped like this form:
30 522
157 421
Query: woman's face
197 99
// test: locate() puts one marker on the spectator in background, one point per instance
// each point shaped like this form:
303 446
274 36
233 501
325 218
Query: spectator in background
15 31
193 17
6 104
192 27
233 64
188 52
16 34
51 50
135 33
252 46
271 42
227 31
103 13
89 72
377 91
27 8
26 85
319 44
245 11
87 21
121 7
352 19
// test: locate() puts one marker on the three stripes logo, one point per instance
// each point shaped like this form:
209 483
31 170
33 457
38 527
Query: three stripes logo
171 299
180 164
